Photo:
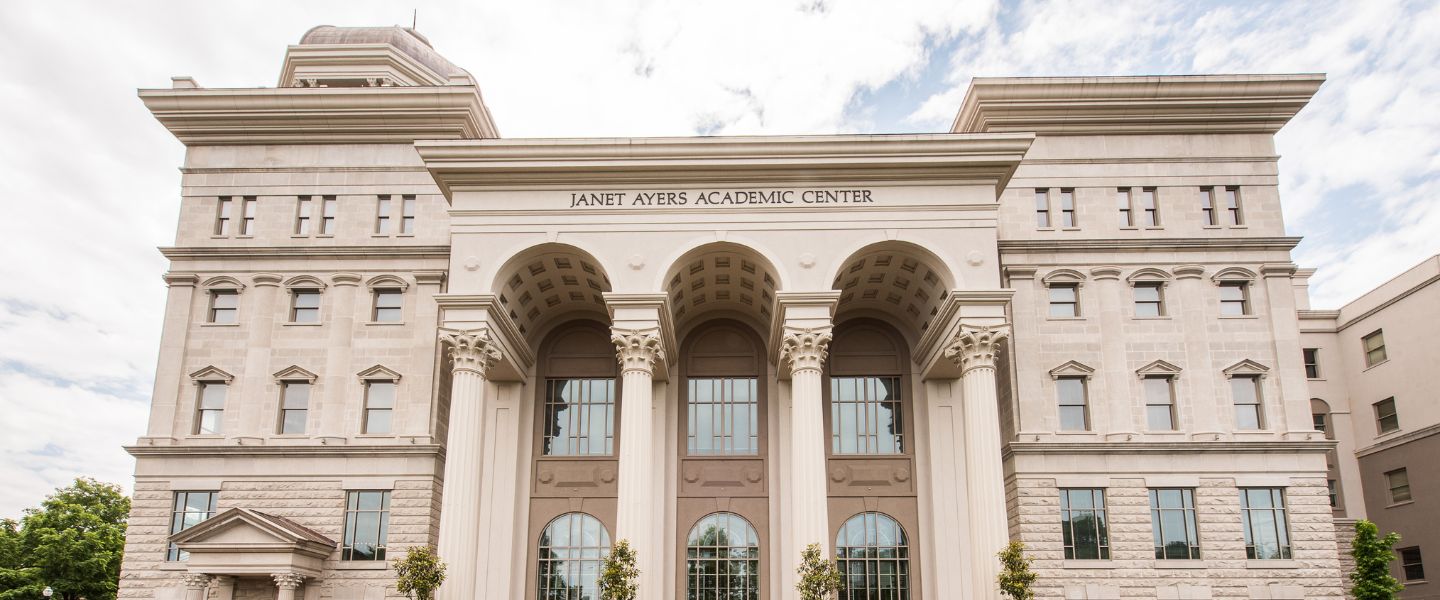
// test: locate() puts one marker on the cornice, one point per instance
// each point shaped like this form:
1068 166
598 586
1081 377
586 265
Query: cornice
207 117
1386 304
1134 105
988 159
1197 244
1178 447
268 252
1399 440
349 450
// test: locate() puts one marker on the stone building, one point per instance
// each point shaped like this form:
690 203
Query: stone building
1070 321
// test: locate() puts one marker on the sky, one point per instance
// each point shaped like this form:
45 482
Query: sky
90 182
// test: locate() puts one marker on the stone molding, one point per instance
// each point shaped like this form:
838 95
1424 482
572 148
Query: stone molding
638 349
348 251
1196 244
471 350
195 581
975 347
805 349
288 581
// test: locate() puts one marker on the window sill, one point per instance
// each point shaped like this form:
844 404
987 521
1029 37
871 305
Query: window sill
206 436
324 235
1400 504
1129 228
381 235
1090 564
361 565
1239 226
1272 564
376 436
1411 582
382 323
1239 316
1211 227
1376 365
1069 229
219 324
404 235
297 324
1180 564
1386 435
1044 229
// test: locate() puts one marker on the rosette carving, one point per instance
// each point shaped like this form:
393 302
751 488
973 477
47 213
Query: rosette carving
976 347
805 349
637 349
471 350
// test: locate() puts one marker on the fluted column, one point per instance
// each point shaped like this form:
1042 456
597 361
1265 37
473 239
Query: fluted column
472 353
639 515
287 583
195 584
803 351
974 350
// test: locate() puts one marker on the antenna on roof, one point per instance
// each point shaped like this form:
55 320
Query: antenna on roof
414 17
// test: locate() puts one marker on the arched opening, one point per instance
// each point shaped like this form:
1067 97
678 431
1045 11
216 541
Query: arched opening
570 551
544 283
722 278
899 279
873 555
722 559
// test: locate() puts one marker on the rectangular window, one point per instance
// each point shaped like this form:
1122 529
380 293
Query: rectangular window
305 306
1083 523
189 510
866 416
367 524
1267 534
1331 491
579 417
294 406
1319 422
303 213
1160 402
327 215
722 415
1246 391
1411 564
1149 208
1387 419
382 215
210 408
1070 394
1064 300
1375 348
1149 299
1234 298
387 306
1042 208
1232 205
1207 206
247 217
1398 482
407 214
1172 523
224 307
1312 363
1127 214
223 215
379 406
1067 208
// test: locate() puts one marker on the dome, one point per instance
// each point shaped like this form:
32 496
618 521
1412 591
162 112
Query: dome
406 40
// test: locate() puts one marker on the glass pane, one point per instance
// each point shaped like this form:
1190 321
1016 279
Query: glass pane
1247 416
377 421
1072 418
579 416
225 299
212 395
1071 391
380 394
297 395
1159 418
294 421
1243 390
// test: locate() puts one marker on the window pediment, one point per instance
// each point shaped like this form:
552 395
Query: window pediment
211 373
295 373
223 282
378 373
1233 274
1072 369
387 282
1158 368
1246 367
1063 276
1148 274
304 282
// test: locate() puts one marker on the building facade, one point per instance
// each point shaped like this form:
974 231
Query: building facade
1368 364
1071 321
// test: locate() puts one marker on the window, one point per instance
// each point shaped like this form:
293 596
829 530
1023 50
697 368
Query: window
1232 205
1374 348
1083 524
1248 413
1149 208
387 305
1067 208
189 509
1159 402
382 215
379 406
210 409
723 415
1064 300
1262 512
1207 206
1127 214
1234 298
1331 490
1411 564
873 556
1386 418
224 306
1312 363
1149 299
294 406
1042 208
327 215
1319 421
247 216
1070 392
1398 482
1172 521
572 547
579 417
367 521
305 306
223 216
865 415
407 214
304 208
722 559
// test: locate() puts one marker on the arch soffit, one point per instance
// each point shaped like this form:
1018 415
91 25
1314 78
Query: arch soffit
897 277
947 271
739 244
544 286
702 281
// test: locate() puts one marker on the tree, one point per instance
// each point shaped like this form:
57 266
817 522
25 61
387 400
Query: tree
420 573
72 543
618 574
1371 579
819 578
1015 575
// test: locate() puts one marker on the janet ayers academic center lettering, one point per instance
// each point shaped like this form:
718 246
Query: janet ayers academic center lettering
1070 321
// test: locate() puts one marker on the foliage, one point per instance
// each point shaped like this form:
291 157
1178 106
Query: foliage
1015 575
420 573
618 573
73 543
1371 579
819 578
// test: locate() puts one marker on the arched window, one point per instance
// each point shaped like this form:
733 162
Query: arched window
722 559
571 549
873 555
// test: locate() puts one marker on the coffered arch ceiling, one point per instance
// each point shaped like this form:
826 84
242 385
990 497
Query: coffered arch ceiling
900 279
722 276
551 281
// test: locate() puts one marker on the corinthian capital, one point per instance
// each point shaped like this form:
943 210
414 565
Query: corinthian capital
288 581
804 349
195 581
471 350
975 347
638 349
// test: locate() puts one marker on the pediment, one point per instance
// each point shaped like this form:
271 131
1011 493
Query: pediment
378 373
1158 367
239 527
1246 367
212 373
1071 369
295 373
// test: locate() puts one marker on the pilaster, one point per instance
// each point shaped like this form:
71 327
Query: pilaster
336 379
169 369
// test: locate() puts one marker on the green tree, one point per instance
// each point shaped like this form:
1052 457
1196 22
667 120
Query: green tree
819 578
72 543
1015 575
420 573
618 573
1371 579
